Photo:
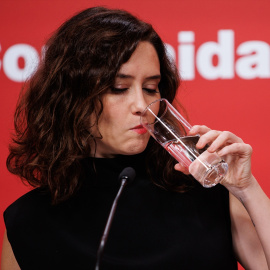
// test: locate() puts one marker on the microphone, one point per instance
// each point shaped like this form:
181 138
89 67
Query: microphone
126 176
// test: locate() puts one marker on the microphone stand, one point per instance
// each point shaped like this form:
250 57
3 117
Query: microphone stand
109 222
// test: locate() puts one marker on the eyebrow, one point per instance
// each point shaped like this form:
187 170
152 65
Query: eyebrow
125 76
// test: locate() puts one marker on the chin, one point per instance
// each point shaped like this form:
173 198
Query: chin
134 150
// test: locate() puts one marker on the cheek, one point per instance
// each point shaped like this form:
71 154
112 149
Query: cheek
111 108
110 117
155 107
157 110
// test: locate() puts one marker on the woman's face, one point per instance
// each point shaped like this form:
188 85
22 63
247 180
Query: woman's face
135 87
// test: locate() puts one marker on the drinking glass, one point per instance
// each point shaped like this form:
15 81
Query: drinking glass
170 129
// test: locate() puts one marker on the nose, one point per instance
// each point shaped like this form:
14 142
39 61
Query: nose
139 102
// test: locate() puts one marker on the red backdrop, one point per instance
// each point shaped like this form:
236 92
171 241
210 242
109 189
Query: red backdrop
221 48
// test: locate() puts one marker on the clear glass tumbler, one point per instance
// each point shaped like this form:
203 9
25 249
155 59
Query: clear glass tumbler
170 129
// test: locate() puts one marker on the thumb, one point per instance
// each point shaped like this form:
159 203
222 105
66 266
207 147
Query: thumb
181 168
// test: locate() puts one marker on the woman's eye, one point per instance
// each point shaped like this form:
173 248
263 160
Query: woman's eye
118 90
151 91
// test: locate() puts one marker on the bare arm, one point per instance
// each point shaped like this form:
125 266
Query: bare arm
8 261
249 205
247 242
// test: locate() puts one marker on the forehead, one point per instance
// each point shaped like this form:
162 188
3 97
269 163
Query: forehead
143 60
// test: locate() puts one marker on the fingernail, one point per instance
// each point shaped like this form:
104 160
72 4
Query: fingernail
219 153
191 130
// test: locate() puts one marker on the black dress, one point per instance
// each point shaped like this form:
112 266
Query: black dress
152 228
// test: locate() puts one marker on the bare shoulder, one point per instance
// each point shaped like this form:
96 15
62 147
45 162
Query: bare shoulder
8 260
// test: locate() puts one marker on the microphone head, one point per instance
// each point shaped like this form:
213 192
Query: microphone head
128 173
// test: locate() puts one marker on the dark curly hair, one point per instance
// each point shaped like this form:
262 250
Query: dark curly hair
52 119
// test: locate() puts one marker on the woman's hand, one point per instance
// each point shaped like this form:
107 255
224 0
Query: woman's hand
233 150
250 206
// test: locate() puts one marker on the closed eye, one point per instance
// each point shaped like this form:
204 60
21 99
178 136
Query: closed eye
151 91
118 90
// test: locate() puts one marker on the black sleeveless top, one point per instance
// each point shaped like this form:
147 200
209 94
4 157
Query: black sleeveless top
152 228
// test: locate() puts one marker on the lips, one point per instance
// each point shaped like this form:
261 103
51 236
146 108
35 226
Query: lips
139 129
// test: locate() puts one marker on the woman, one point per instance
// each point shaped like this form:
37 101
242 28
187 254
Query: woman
78 126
